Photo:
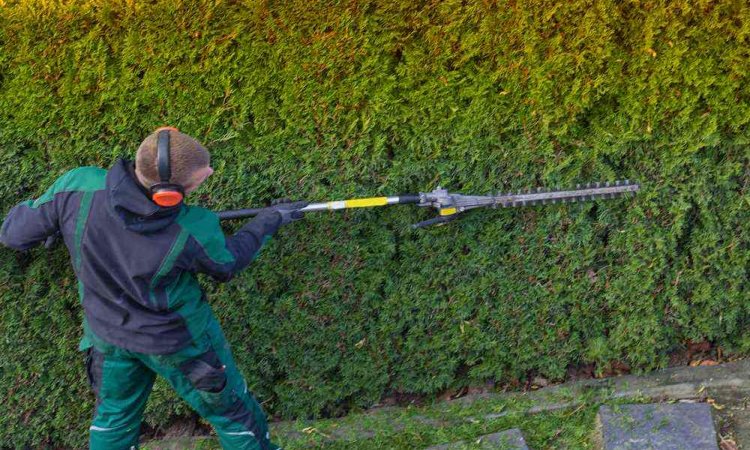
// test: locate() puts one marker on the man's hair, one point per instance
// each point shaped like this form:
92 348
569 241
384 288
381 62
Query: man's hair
186 156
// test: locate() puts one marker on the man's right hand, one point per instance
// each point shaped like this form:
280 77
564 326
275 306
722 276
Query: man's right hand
288 209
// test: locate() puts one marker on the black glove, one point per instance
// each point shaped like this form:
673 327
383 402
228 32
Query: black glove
289 210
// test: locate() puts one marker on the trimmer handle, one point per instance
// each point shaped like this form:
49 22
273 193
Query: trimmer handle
439 220
239 213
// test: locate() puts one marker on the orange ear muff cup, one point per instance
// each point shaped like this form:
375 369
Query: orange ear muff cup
167 198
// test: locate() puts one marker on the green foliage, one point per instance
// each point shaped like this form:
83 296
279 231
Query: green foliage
317 100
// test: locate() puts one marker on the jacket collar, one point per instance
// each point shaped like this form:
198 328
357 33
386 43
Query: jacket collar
130 201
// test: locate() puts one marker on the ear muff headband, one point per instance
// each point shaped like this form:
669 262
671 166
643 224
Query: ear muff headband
165 193
162 157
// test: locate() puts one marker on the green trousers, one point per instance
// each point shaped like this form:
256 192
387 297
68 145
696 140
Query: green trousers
203 374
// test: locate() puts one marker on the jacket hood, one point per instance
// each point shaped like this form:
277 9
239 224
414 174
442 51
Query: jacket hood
129 201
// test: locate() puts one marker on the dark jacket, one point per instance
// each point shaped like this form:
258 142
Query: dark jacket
136 261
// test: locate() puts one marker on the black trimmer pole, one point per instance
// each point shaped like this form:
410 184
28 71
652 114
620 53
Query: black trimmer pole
450 205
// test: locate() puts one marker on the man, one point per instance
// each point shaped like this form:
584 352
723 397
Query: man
135 248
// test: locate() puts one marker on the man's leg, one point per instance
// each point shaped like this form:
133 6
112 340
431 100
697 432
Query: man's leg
204 375
122 385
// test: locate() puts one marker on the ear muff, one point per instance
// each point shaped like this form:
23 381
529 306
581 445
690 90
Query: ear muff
167 198
165 193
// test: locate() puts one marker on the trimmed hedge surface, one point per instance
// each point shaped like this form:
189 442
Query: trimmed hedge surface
328 100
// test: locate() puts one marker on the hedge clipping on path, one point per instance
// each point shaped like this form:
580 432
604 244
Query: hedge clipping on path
310 100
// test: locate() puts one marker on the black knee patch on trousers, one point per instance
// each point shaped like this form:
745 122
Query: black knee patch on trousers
205 372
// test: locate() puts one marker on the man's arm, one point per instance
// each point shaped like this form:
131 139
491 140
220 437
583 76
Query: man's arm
222 256
31 222
208 250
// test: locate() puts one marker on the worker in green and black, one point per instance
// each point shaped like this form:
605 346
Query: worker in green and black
144 311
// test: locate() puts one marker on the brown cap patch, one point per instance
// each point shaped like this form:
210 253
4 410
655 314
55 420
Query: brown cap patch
186 157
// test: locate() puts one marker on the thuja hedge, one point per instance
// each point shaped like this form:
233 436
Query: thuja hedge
321 101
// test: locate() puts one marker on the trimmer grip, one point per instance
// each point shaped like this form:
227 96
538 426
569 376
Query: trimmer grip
439 220
239 213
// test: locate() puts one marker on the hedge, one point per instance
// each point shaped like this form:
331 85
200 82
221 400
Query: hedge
328 100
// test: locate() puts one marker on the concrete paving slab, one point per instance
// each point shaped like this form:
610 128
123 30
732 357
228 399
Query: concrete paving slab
506 440
727 382
662 426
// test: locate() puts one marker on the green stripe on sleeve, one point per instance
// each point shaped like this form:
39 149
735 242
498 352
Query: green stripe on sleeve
83 214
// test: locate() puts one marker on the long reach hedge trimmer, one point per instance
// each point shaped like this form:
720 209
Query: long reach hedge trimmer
449 205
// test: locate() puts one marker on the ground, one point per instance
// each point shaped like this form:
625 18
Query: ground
556 417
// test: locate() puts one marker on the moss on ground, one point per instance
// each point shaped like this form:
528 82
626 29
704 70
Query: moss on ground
420 427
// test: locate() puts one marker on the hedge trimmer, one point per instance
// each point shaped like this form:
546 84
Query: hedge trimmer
449 205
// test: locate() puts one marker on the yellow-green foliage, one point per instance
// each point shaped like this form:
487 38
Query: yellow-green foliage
326 100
